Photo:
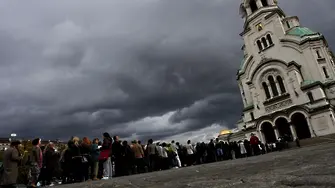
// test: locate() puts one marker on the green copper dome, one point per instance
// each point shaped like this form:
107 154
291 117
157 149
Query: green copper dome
307 82
301 32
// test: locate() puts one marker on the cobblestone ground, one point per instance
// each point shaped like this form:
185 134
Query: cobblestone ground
305 167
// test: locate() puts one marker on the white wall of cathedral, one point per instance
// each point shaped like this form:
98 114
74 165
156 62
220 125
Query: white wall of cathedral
330 92
312 68
323 123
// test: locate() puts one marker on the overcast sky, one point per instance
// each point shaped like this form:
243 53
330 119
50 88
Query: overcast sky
161 69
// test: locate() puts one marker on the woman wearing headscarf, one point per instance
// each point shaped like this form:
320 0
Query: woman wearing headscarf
11 160
105 156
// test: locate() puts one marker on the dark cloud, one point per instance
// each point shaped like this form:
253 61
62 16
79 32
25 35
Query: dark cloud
145 68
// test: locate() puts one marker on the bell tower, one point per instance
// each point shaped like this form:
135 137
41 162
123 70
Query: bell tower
249 7
263 26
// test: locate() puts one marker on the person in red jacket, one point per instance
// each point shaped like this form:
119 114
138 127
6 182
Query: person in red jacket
254 141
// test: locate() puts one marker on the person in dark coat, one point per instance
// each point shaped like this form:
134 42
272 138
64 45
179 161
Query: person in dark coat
76 159
50 162
127 159
36 162
95 152
85 151
66 164
116 150
11 159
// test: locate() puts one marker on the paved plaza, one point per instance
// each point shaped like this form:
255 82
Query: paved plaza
312 166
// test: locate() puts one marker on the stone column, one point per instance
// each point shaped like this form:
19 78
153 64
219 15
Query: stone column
270 89
294 133
248 9
278 88
310 127
259 3
262 137
276 133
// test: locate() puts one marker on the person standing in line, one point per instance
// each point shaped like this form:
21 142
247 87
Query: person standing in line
190 153
105 155
152 154
95 152
9 171
242 149
36 161
116 151
175 151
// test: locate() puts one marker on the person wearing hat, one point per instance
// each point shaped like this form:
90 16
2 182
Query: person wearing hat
11 160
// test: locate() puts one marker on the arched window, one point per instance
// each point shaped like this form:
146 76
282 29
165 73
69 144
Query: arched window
310 97
268 36
253 5
325 72
265 44
281 84
273 86
259 44
266 90
265 3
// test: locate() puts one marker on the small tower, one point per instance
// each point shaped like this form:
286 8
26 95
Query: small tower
249 7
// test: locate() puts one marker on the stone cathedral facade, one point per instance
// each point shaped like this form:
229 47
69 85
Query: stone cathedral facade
286 77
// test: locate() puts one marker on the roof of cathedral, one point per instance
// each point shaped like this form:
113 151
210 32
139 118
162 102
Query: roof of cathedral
301 31
307 82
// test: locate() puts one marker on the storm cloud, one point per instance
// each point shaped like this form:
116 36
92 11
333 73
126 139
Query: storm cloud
162 69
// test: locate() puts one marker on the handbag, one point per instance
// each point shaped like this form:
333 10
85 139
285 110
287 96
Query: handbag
104 154
84 159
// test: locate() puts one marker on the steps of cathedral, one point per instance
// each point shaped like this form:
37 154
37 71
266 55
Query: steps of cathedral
315 141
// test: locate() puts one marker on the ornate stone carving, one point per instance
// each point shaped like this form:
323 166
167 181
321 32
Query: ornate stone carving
278 106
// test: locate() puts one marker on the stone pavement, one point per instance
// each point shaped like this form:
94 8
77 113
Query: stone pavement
305 167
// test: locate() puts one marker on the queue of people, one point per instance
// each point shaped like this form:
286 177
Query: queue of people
84 160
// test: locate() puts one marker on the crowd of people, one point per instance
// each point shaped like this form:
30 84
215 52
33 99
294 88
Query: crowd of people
84 159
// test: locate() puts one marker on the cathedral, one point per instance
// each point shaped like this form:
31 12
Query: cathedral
286 76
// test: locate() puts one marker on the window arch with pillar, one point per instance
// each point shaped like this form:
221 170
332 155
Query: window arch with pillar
273 86
266 90
272 83
265 3
265 43
253 5
281 84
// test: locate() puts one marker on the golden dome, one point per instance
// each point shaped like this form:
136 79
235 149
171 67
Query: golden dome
224 132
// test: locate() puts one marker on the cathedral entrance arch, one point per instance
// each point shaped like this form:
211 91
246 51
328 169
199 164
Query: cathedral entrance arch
301 125
269 132
283 127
